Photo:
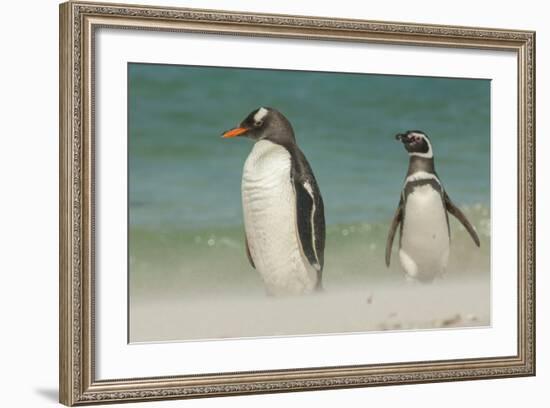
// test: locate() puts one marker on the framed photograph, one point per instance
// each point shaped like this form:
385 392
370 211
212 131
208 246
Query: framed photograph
255 203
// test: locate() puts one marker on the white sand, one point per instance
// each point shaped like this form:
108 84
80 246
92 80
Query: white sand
383 306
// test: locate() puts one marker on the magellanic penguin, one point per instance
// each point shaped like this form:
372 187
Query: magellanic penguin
424 242
283 209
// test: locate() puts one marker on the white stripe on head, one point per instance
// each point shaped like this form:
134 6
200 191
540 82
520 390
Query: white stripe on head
262 112
429 154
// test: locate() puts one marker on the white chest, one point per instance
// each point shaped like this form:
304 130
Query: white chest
425 236
424 204
269 210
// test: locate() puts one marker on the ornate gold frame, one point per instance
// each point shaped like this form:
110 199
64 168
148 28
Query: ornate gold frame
78 22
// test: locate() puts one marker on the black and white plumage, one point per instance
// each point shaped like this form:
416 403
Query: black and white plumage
422 214
282 206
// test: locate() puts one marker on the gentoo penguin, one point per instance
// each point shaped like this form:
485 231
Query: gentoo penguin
283 209
424 242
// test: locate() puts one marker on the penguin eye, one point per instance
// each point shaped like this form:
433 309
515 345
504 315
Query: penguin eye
259 123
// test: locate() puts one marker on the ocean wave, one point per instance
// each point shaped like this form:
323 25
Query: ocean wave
210 260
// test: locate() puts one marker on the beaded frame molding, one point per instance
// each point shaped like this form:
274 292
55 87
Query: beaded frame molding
78 22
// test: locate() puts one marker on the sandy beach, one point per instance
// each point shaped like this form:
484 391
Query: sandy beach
379 307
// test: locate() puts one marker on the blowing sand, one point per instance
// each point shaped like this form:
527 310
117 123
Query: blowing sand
378 307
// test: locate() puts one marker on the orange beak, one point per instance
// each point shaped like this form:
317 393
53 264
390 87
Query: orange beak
234 132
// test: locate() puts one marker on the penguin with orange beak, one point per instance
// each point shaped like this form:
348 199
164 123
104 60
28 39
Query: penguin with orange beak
282 206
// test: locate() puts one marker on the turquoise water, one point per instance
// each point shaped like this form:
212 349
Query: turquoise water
185 217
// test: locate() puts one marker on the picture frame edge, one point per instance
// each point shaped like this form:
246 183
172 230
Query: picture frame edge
76 365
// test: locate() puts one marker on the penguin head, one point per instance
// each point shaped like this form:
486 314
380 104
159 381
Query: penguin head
264 123
417 143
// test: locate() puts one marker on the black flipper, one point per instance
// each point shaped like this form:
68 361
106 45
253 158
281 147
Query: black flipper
397 218
310 213
459 215
248 252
